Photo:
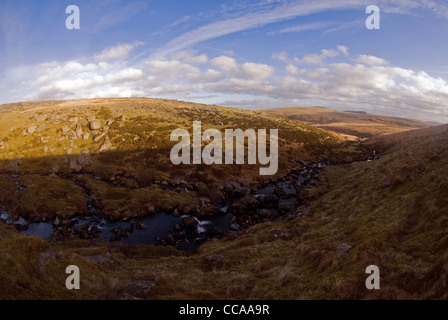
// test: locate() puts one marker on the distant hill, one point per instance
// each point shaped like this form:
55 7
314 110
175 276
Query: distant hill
354 123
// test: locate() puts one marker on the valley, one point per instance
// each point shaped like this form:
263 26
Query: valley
92 182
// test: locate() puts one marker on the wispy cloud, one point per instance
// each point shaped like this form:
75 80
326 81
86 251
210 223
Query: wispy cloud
304 27
248 21
120 51
287 10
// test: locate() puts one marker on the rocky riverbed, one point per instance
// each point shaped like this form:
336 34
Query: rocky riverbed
233 205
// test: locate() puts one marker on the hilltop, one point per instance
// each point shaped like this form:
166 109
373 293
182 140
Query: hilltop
357 124
61 151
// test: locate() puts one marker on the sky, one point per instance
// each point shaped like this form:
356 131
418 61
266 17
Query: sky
245 54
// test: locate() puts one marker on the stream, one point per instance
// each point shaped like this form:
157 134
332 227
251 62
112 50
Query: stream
166 229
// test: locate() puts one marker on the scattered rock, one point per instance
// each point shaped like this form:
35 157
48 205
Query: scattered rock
86 135
279 234
343 248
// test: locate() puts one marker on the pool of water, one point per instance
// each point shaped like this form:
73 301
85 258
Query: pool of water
39 229
156 226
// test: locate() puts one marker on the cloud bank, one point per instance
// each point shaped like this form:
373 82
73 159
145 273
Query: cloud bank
360 82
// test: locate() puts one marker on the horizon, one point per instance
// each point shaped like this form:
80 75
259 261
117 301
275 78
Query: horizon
250 55
247 109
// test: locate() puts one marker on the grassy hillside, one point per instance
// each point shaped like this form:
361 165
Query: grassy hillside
59 151
349 123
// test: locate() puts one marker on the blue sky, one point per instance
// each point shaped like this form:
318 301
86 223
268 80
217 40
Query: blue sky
247 54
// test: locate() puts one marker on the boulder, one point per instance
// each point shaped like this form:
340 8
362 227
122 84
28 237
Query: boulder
56 222
72 135
65 129
106 145
235 226
343 248
31 129
191 224
78 130
95 125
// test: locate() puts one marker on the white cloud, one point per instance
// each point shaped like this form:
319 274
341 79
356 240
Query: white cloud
319 58
120 51
208 76
370 60
366 81
257 70
224 63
